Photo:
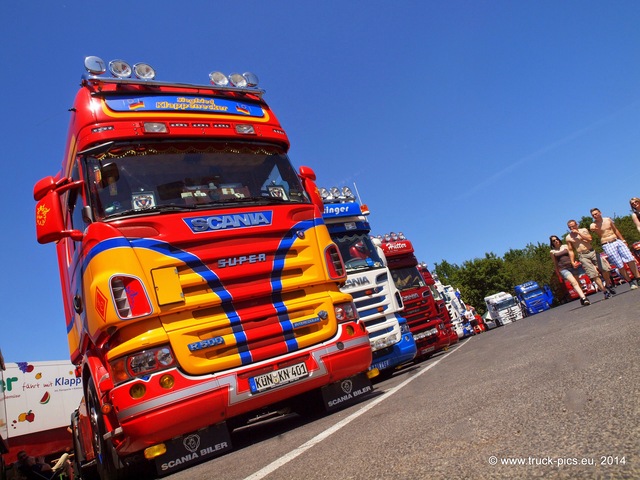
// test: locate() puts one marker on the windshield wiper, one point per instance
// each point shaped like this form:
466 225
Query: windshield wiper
247 200
156 209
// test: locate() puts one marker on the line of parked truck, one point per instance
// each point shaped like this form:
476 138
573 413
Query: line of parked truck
206 282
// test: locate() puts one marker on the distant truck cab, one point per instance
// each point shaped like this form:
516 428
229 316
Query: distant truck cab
503 308
534 298
200 284
428 329
369 280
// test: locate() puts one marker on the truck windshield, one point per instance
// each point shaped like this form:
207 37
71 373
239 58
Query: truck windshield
358 251
407 278
142 178
506 303
534 294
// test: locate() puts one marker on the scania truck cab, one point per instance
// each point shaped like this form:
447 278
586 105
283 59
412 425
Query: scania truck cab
199 281
429 331
369 280
439 305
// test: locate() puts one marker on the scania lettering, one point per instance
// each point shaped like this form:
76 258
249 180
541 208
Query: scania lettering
200 284
228 221
429 331
368 280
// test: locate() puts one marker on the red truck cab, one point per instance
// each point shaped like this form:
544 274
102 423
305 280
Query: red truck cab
420 310
200 284
440 304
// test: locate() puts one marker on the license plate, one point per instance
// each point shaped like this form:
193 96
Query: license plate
277 378
428 349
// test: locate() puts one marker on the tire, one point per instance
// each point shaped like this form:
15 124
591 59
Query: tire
86 472
109 466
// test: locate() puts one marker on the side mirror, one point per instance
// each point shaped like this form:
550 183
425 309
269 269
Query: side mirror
44 186
49 218
308 177
307 173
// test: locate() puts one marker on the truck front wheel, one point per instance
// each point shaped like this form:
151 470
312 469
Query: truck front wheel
109 466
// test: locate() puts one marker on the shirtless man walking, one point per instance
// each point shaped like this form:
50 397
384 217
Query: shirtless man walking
615 246
579 241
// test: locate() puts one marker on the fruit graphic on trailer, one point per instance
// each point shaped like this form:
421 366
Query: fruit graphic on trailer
25 367
26 417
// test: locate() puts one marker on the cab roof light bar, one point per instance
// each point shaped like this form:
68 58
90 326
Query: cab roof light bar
123 73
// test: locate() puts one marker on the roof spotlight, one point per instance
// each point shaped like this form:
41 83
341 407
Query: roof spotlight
119 68
324 193
347 193
252 79
144 71
335 192
95 65
218 79
237 80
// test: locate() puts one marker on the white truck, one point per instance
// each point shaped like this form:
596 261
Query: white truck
456 308
503 308
36 402
369 280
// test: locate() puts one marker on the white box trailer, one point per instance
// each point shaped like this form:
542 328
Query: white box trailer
36 402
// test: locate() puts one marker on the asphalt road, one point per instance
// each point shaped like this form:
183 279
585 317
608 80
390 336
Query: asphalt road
555 395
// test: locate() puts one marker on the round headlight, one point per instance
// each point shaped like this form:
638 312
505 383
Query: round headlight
95 65
219 79
347 193
238 80
144 71
120 68
252 79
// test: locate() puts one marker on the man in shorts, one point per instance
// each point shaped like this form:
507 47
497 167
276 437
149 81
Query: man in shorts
579 242
615 246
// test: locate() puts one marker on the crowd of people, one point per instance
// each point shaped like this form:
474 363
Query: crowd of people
31 468
578 251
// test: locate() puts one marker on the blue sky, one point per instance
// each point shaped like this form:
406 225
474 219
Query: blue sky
471 126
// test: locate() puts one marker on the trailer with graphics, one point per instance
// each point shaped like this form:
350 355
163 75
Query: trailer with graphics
4 446
38 399
200 284
369 280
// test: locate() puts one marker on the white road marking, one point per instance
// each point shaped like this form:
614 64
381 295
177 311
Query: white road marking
272 467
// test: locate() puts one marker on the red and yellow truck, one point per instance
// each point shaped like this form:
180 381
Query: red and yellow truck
200 284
